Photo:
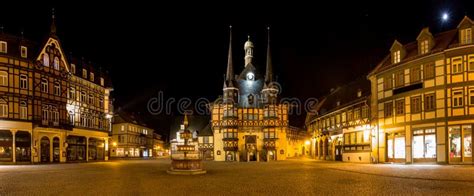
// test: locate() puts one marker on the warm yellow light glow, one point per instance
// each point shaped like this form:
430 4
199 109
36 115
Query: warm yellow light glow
114 144
307 142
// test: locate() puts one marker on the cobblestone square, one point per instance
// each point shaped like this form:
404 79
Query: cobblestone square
291 177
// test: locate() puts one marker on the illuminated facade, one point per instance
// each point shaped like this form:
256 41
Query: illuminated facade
53 108
423 98
340 124
131 137
248 124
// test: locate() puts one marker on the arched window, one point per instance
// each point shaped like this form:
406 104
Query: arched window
250 99
46 59
3 78
56 63
23 110
44 85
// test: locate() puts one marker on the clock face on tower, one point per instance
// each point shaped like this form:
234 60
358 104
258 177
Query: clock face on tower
250 76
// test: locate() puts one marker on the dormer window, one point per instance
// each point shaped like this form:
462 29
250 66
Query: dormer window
396 56
73 68
24 52
46 59
92 77
3 47
101 81
84 73
424 47
466 36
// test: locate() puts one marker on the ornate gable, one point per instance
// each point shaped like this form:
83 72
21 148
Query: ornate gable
52 55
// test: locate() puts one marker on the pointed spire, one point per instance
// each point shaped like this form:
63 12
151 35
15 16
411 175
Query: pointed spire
185 123
269 71
230 66
53 22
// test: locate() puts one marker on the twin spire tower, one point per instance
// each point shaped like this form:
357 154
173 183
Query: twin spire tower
249 87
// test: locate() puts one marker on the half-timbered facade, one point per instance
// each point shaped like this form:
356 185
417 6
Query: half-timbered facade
340 124
423 98
43 116
248 123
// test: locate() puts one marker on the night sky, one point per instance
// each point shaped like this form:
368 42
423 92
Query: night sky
181 49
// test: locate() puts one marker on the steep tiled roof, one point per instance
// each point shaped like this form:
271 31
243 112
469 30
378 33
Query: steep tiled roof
442 41
345 95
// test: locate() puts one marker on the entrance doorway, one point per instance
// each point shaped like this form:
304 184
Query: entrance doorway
56 150
338 151
396 147
45 150
424 145
251 147
23 146
460 144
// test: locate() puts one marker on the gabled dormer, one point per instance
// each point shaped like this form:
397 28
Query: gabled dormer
397 52
465 29
425 41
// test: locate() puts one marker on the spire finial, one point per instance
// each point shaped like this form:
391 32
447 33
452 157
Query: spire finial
269 71
230 67
53 22
185 123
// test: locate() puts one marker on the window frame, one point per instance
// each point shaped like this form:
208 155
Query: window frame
44 85
428 102
388 111
415 108
400 107
457 97
3 78
432 72
5 47
24 52
23 81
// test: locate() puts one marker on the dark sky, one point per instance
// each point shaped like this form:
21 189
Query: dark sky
181 49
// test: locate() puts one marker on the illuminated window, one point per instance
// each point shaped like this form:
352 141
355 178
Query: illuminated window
46 59
416 104
122 128
396 56
83 97
457 66
72 93
24 51
56 63
400 107
357 114
23 110
429 71
92 76
457 99
73 69
365 111
3 108
44 85
23 81
102 81
466 36
3 78
424 47
3 47
84 73
388 109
